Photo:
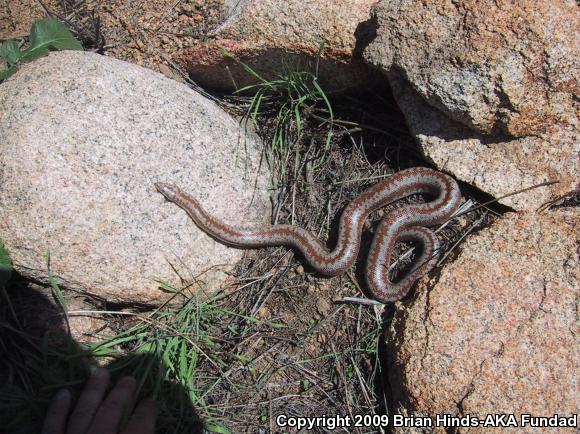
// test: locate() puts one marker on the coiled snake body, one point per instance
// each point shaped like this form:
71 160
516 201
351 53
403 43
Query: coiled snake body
407 223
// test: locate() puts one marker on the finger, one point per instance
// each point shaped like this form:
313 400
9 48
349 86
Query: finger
143 419
55 420
89 401
111 410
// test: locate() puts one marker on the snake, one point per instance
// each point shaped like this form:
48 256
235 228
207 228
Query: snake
410 222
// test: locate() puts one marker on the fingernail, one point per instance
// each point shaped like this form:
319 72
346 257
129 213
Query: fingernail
149 404
62 394
127 380
99 372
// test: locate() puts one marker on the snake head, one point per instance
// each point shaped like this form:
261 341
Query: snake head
170 191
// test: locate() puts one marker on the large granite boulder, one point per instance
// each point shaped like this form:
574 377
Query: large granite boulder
84 138
274 37
495 66
498 332
489 88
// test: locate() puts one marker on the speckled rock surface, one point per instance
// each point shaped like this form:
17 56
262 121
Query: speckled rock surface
495 66
489 89
84 139
498 166
498 333
274 36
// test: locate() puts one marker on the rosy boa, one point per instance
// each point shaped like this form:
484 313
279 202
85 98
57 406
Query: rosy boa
406 223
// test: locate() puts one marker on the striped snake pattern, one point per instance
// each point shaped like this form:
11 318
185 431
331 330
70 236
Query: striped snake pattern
406 223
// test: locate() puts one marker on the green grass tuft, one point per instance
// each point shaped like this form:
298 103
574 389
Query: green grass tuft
5 265
168 351
289 100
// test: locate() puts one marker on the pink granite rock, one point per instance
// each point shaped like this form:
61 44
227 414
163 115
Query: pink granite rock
274 36
498 333
495 66
489 89
496 165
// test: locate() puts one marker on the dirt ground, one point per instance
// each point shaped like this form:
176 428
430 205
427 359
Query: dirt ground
143 32
326 356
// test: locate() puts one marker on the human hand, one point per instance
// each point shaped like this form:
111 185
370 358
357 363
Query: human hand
93 415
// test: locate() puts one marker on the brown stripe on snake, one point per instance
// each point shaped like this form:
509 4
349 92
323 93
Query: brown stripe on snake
406 223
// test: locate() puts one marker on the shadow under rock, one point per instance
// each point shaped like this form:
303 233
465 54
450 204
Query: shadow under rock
365 33
38 356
